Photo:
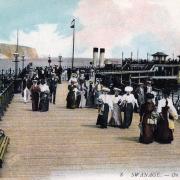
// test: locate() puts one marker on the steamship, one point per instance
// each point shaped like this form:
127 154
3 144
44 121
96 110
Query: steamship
163 72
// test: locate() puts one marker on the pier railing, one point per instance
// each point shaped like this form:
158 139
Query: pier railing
5 98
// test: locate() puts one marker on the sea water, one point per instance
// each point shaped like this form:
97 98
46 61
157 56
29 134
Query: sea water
66 62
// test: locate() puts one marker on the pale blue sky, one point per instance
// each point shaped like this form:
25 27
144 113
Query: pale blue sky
25 14
117 25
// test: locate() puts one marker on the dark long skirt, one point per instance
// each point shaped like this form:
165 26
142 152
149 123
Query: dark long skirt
103 117
71 102
44 102
147 135
78 100
163 134
97 94
35 101
147 129
128 115
90 100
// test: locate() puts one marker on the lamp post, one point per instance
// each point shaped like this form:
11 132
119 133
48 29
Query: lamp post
16 55
60 61
23 59
73 27
60 69
49 60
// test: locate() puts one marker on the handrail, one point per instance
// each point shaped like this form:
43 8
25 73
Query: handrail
6 97
6 89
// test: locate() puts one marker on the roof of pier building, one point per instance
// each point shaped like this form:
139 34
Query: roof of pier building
160 54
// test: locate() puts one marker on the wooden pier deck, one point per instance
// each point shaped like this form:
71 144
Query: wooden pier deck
62 142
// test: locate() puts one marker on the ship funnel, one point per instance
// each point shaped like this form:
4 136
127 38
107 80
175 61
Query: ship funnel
95 56
101 57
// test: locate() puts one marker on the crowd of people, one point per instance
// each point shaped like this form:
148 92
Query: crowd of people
39 85
116 107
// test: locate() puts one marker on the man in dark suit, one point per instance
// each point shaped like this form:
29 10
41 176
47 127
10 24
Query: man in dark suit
53 87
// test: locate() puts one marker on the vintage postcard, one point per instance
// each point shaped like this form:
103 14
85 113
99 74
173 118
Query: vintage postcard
89 89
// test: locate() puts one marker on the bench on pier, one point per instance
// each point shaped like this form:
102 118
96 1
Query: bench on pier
4 141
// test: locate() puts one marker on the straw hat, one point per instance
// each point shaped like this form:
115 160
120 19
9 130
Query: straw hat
34 80
105 89
117 89
128 89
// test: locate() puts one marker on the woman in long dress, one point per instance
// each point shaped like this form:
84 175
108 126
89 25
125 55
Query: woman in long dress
90 95
97 92
116 119
83 93
104 109
35 90
147 121
44 97
127 105
165 125
71 97
139 92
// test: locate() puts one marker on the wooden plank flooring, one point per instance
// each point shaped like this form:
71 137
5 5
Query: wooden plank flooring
62 142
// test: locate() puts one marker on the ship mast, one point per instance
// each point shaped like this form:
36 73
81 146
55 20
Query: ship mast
16 55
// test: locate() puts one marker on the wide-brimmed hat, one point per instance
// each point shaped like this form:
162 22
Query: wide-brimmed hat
34 80
117 89
128 89
105 89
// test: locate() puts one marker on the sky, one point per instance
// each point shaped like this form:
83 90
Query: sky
146 26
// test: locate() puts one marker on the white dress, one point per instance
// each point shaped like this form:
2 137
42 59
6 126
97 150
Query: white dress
83 99
116 119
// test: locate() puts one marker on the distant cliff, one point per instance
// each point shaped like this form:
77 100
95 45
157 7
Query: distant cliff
7 50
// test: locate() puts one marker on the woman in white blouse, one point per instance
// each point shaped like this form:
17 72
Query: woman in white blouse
116 119
127 104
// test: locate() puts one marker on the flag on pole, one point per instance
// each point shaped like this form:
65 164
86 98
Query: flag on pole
73 23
